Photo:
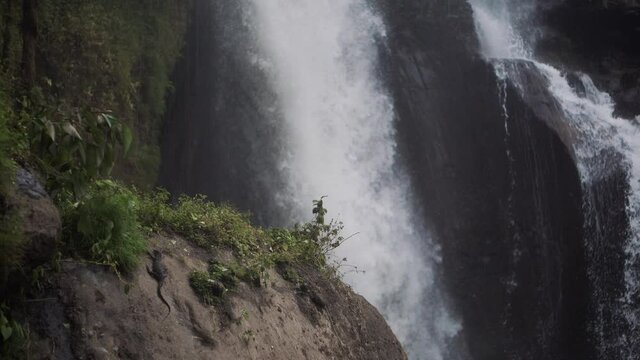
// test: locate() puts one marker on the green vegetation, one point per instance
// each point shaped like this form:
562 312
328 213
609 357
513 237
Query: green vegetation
75 150
92 57
197 219
209 290
13 337
103 227
256 250
116 56
79 81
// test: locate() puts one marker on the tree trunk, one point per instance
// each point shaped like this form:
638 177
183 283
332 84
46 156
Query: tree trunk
6 35
29 41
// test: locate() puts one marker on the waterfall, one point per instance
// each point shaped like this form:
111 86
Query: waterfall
601 140
337 120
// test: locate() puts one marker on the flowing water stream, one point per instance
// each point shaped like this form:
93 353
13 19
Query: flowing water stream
322 61
602 141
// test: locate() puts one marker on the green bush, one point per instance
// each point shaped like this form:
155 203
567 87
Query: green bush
72 147
103 227
209 290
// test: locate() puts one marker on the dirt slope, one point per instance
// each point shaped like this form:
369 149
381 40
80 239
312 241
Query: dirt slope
89 316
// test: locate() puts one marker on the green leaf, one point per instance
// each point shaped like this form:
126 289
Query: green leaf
49 129
83 154
71 130
6 332
106 118
127 139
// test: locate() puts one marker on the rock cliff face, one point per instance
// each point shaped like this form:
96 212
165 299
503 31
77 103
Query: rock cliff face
499 184
598 38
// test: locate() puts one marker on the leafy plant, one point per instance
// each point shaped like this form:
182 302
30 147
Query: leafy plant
13 337
103 226
326 236
209 290
75 147
219 279
116 55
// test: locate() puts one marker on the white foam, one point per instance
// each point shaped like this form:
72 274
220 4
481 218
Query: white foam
600 130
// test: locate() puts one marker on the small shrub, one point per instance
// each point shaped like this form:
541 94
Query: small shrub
209 290
291 275
103 227
224 274
327 236
73 147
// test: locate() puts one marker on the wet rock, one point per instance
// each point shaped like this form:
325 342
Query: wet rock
486 179
29 185
598 40
40 218
576 84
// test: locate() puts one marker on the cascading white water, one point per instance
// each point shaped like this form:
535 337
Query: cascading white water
338 119
590 114
599 130
498 35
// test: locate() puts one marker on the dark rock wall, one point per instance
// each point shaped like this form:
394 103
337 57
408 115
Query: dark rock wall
601 41
506 209
220 139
